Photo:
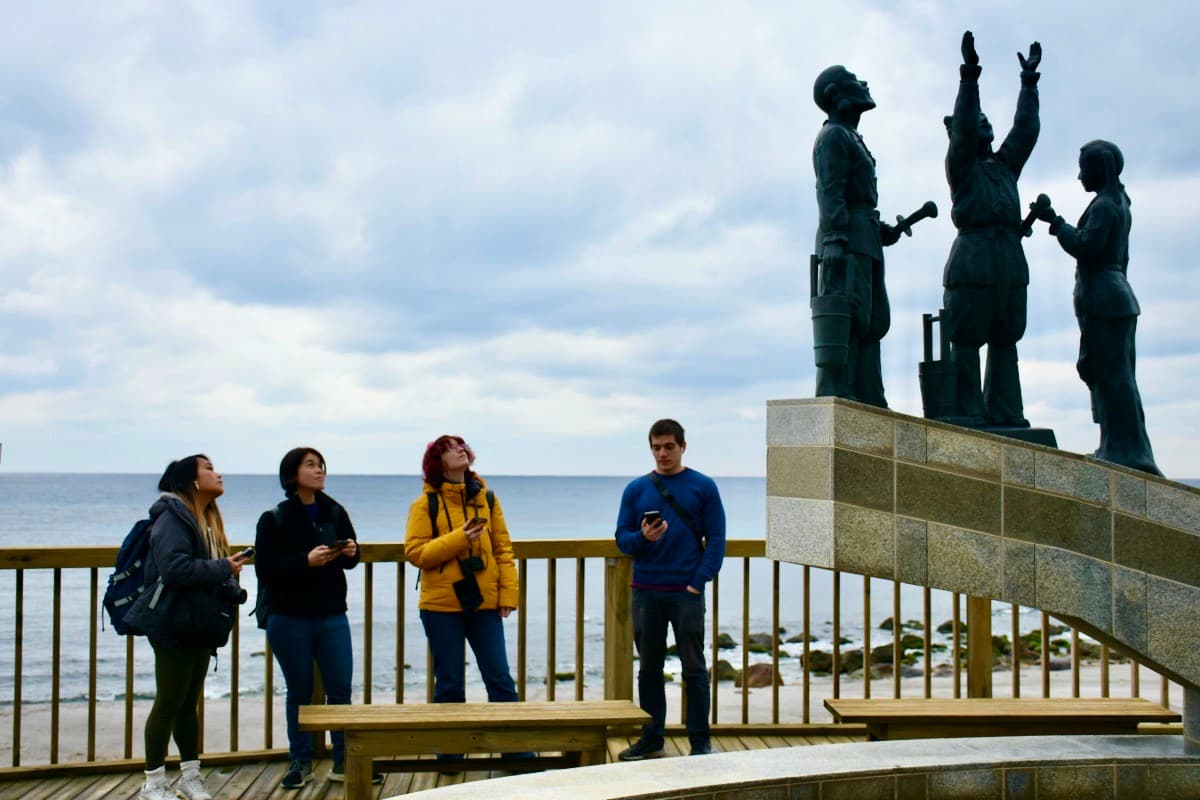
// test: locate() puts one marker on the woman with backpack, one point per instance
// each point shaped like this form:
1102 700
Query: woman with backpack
189 554
303 548
457 536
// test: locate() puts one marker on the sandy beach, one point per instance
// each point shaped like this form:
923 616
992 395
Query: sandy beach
110 727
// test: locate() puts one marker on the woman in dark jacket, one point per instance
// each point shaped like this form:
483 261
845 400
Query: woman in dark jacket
189 551
303 548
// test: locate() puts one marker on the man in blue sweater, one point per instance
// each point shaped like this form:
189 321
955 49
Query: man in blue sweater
673 524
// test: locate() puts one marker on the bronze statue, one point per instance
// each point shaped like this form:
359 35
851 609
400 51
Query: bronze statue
986 275
851 314
1105 306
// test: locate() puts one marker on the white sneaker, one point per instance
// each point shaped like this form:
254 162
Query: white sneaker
191 787
155 791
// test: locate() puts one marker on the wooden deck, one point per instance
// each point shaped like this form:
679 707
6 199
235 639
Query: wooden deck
260 780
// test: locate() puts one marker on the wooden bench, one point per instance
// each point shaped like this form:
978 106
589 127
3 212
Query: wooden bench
579 730
887 718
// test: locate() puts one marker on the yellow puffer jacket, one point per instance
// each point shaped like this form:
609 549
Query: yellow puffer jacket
437 553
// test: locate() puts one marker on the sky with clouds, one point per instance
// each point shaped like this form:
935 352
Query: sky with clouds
238 227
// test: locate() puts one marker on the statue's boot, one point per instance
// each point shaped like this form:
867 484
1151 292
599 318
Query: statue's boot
1002 388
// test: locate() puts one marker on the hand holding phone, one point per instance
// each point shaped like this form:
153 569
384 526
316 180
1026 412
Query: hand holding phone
474 528
653 526
247 554
340 544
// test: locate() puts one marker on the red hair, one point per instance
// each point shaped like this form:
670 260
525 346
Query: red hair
431 463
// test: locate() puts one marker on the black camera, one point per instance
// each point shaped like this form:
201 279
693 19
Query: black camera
471 564
231 592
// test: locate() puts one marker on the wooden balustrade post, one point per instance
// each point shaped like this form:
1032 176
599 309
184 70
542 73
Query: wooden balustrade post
979 647
618 629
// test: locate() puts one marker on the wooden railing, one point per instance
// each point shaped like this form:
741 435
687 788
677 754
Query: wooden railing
595 563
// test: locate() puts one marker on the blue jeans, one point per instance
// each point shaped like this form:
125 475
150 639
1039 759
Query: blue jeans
297 642
684 612
448 632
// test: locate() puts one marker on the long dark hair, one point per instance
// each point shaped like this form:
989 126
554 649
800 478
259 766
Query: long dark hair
179 478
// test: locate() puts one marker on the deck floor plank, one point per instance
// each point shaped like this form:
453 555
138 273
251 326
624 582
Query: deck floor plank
17 789
79 786
260 780
111 786
250 784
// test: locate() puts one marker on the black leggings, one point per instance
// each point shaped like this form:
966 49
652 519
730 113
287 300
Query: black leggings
178 679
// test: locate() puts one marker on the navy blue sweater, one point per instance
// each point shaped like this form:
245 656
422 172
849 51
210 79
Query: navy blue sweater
675 561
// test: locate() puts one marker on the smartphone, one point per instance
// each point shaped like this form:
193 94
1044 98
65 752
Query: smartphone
476 522
247 554
338 544
651 517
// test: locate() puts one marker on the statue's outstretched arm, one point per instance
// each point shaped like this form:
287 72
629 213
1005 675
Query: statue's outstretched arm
964 124
1019 143
1091 240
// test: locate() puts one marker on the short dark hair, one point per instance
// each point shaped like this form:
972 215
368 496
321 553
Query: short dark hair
825 88
289 467
667 427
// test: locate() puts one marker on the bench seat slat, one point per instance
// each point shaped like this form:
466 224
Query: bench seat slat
469 715
921 718
996 709
579 730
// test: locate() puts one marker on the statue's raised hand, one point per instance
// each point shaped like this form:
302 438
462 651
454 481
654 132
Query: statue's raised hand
968 49
1030 64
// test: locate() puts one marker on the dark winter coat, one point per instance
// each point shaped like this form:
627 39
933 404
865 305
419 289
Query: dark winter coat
281 558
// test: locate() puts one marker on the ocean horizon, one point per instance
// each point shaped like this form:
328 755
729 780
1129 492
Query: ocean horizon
97 509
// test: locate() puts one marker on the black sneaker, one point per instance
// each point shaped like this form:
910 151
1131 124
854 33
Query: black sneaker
701 749
337 774
299 773
642 748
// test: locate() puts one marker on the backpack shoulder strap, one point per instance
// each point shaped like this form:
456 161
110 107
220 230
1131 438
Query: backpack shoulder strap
432 499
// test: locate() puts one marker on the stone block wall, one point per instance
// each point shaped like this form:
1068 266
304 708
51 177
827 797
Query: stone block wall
874 492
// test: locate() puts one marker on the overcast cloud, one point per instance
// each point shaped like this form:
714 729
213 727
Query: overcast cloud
238 227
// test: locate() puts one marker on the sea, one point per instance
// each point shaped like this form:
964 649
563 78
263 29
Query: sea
38 510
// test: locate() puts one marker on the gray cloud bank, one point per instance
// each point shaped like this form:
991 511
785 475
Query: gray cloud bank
358 226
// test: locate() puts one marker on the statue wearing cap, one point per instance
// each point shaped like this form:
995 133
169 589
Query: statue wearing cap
849 246
1105 305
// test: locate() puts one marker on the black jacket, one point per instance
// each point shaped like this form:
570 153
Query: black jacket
178 552
188 613
281 558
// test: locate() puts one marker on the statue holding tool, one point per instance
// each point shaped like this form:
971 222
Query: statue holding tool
850 307
1105 306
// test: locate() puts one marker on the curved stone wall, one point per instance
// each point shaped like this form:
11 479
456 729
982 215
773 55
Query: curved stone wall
1014 768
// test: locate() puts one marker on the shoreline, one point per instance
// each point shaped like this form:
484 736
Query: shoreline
36 720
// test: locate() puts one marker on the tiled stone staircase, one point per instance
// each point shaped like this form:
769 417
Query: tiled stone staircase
874 492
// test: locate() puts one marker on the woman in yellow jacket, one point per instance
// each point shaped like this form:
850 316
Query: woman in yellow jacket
468 577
